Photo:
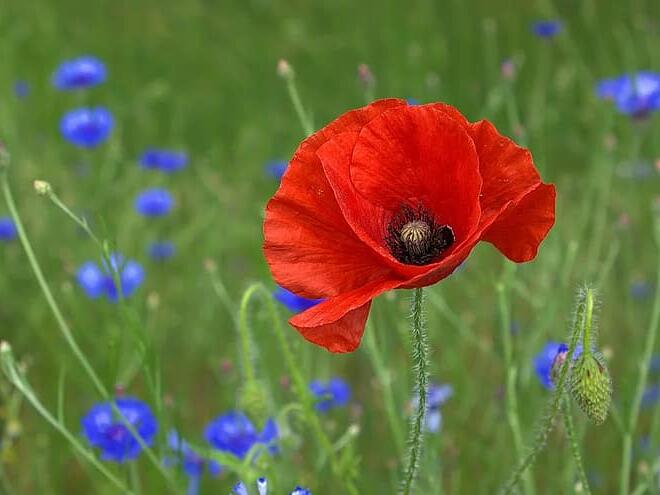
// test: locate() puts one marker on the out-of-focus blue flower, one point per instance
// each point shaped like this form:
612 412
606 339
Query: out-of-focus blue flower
164 160
87 127
262 488
192 463
81 72
654 366
437 395
641 290
333 393
412 101
233 432
651 396
276 168
636 95
21 89
154 202
294 303
546 29
544 360
105 430
161 250
97 281
8 230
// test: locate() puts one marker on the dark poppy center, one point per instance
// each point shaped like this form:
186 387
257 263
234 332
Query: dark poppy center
415 238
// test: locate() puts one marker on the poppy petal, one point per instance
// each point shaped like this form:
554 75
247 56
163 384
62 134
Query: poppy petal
304 227
420 155
338 323
521 228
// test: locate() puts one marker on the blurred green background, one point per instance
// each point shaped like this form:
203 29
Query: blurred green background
200 76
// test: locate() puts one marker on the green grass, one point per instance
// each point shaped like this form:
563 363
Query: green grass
200 75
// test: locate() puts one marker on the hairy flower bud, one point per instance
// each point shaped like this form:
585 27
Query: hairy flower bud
254 400
591 386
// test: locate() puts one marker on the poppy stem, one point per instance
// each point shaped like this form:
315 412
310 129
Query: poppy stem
644 365
420 357
575 448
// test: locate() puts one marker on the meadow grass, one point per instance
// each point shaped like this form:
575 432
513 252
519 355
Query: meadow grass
201 76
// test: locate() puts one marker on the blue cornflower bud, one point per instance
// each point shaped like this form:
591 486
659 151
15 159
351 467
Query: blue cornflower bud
107 432
81 72
262 488
154 202
87 127
276 168
161 250
21 89
546 29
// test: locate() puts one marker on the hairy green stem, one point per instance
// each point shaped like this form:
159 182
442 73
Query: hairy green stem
303 116
512 414
575 448
643 364
420 357
585 299
244 335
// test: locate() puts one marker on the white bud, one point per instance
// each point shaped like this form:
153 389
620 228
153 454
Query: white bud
42 187
284 68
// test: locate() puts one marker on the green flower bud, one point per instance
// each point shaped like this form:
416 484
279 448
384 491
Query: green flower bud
591 386
254 399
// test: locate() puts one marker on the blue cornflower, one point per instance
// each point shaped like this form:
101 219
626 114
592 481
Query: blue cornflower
87 127
97 282
233 432
192 463
161 250
651 396
294 303
544 360
262 488
412 101
437 395
81 72
164 160
641 289
105 430
546 29
154 202
21 89
8 230
654 366
333 393
636 95
276 168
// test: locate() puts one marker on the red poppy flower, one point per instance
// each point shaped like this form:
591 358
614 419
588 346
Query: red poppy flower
395 196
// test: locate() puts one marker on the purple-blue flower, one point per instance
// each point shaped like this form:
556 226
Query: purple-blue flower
636 95
192 463
333 393
98 281
87 127
233 432
412 101
161 250
8 230
276 168
167 161
437 395
21 89
544 360
107 431
81 72
154 202
546 29
641 290
651 396
293 302
262 488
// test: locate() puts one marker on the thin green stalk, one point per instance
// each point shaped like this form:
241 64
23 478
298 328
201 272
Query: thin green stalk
64 327
575 448
420 358
584 300
244 335
302 391
643 364
304 118
513 417
385 379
